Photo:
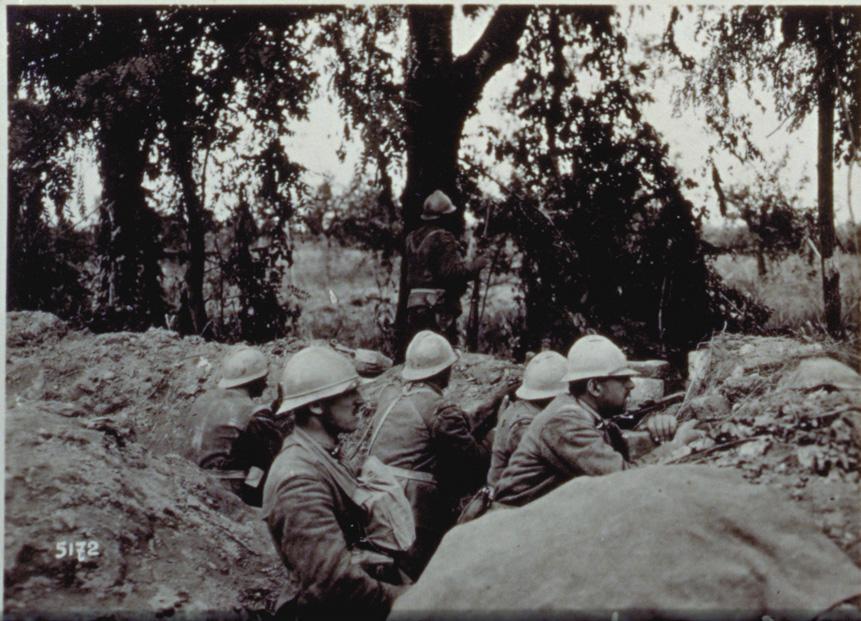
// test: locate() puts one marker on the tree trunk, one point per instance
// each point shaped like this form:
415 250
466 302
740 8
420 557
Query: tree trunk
130 294
825 194
761 268
440 92
181 144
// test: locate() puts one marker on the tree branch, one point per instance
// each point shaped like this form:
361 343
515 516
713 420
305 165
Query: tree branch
496 47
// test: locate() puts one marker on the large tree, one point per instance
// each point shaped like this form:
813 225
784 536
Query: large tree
88 69
168 81
810 59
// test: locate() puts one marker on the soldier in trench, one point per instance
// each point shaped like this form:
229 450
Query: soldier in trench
233 435
319 525
575 436
542 382
437 274
431 445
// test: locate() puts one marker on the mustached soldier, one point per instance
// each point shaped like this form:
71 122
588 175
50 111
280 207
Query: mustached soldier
317 524
574 435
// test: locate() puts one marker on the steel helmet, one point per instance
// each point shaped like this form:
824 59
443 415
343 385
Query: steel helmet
596 356
436 205
316 373
427 354
542 378
243 367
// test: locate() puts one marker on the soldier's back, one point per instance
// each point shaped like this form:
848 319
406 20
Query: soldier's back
404 438
513 423
218 418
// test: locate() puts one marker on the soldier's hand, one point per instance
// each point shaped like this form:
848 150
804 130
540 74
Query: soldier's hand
479 263
661 427
687 432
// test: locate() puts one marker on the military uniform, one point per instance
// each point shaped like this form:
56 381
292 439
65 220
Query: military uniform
232 434
566 440
318 531
436 277
513 423
431 449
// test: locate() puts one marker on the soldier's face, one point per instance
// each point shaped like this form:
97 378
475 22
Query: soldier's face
613 395
342 412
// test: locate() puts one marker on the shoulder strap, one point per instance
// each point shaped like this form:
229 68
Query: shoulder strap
418 412
343 479
421 247
382 420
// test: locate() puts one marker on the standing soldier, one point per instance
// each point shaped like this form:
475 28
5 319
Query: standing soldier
574 435
429 445
437 275
233 435
318 526
542 382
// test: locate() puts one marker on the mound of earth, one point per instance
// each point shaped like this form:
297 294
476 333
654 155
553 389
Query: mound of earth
94 433
785 413
148 379
110 410
96 524
33 327
661 542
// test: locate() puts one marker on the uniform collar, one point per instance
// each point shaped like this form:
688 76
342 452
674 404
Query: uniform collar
596 418
302 436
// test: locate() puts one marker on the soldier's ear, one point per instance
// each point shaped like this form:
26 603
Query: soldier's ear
316 409
593 387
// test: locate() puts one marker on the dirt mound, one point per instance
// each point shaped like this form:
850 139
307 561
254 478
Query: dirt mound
148 378
784 413
35 327
109 410
593 545
97 524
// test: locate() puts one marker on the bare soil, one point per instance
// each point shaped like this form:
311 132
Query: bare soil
95 425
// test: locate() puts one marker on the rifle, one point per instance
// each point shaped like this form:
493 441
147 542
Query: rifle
629 420
474 320
484 418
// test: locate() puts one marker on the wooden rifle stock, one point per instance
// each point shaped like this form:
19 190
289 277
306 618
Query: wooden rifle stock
631 419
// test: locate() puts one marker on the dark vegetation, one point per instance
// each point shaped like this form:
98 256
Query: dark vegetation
593 224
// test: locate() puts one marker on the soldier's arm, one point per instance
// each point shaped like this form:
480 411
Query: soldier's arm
311 540
454 438
515 432
577 447
452 267
259 443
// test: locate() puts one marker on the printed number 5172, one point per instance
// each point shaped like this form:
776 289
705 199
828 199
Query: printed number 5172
80 549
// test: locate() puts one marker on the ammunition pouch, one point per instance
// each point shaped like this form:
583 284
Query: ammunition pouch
431 298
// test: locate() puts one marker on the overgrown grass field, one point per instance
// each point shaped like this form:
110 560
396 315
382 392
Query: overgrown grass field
792 288
361 305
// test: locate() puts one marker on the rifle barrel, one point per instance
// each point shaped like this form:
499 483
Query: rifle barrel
631 419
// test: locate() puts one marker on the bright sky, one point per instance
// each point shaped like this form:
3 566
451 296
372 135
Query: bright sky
684 131
315 142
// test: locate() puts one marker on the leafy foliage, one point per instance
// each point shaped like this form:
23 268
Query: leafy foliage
776 224
204 95
608 240
808 56
171 80
775 46
42 255
252 268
